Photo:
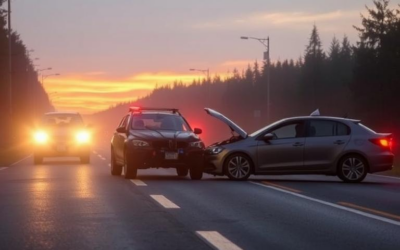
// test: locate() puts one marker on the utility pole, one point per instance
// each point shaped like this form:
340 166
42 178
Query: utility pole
10 59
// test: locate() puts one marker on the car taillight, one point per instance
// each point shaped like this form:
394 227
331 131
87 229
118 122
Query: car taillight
384 143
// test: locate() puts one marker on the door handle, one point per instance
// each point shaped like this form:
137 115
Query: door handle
298 144
338 142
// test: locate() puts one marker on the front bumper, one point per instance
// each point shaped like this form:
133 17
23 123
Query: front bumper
150 157
214 163
57 149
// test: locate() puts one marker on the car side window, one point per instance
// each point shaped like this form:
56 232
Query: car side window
342 129
327 128
289 130
123 122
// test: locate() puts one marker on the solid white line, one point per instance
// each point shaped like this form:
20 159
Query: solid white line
3 168
164 201
15 163
384 176
138 182
217 241
376 217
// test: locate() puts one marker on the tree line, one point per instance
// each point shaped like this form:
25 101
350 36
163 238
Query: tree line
359 81
29 99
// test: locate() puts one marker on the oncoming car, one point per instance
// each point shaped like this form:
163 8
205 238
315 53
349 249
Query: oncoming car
156 138
61 134
301 145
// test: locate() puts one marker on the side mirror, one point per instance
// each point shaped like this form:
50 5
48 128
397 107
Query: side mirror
121 130
197 131
268 136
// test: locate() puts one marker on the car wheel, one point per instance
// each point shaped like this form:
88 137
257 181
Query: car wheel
352 169
238 167
182 171
115 168
130 169
196 170
37 159
85 159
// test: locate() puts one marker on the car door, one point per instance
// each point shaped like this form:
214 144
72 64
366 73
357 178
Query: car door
285 151
325 141
119 139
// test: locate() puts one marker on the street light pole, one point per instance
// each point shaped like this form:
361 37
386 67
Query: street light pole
46 76
10 58
265 42
207 73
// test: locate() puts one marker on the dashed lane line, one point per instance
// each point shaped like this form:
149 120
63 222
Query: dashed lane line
163 201
355 211
217 241
138 182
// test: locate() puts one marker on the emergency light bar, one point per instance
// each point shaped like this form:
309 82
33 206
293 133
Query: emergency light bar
139 109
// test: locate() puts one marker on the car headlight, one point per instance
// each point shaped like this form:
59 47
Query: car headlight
83 137
216 150
41 137
139 143
197 144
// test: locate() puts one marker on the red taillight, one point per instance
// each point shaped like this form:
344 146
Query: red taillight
384 142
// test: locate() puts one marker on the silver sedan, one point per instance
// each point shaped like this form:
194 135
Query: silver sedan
301 145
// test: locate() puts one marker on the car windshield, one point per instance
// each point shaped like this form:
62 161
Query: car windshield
159 122
61 120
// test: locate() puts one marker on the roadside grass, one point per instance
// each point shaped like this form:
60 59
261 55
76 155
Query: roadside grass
9 155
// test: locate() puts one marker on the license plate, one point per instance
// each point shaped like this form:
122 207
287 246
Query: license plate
61 148
171 155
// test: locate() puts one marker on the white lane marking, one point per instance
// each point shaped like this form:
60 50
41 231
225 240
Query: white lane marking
15 163
94 152
99 155
376 217
217 241
384 176
164 201
109 165
103 158
3 168
138 182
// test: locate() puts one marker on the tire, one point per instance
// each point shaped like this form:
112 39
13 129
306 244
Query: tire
37 159
130 169
238 167
352 169
116 169
196 170
182 171
85 159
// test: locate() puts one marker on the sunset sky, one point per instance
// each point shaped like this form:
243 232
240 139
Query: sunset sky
117 50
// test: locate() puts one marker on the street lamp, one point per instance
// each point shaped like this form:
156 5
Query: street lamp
46 76
265 42
207 73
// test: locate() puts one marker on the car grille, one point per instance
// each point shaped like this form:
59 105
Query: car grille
170 144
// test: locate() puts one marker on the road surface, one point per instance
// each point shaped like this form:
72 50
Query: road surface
63 204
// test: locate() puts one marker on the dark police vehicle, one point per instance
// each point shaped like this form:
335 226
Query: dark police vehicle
156 138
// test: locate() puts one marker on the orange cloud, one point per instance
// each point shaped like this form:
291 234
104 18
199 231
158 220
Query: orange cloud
92 92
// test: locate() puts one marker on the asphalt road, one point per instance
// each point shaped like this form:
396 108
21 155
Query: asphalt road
63 204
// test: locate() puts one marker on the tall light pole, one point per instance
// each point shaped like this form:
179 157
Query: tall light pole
265 42
10 58
207 73
46 76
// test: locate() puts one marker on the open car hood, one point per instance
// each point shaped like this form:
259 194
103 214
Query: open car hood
233 126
